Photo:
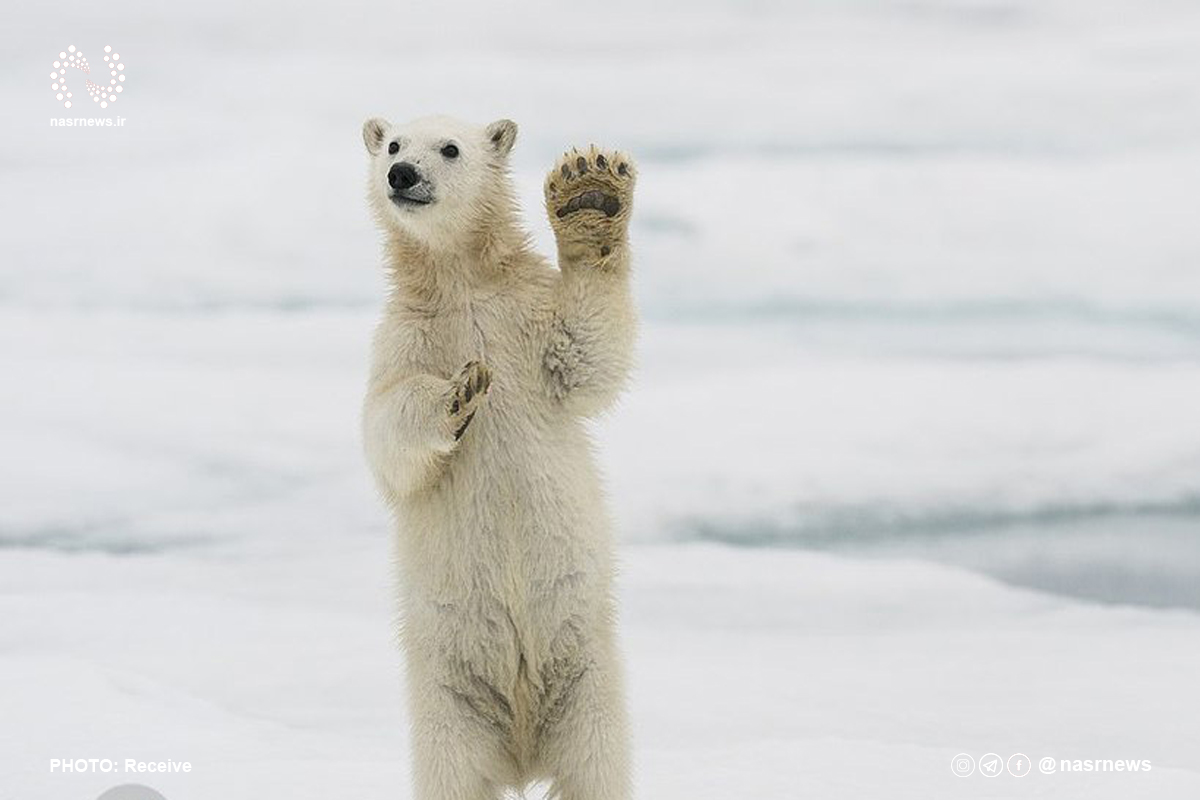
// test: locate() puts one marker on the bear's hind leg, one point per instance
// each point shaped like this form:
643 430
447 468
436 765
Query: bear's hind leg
456 755
584 748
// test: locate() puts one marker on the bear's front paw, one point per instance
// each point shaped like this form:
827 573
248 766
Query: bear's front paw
589 196
467 391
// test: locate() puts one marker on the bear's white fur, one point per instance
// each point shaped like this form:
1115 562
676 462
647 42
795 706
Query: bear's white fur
505 550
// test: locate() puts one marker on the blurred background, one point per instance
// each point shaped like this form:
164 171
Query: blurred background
920 284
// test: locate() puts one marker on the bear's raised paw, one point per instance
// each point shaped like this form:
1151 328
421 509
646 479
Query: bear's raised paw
467 392
589 195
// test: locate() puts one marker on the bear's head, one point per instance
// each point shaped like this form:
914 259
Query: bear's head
437 180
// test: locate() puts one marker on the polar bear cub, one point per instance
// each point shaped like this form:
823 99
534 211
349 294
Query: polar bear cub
485 365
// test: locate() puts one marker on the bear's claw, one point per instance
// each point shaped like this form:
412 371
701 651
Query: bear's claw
467 391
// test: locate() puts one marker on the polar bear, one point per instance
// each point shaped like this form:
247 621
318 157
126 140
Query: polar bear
485 365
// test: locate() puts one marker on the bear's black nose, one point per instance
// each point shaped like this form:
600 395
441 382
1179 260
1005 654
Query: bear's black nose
403 176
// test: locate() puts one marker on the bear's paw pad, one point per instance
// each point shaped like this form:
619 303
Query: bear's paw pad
592 188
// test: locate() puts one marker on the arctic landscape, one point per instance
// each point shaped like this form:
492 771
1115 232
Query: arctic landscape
910 468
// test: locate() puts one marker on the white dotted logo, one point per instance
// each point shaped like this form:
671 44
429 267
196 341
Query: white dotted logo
102 91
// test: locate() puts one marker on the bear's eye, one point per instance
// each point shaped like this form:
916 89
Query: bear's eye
450 151
393 148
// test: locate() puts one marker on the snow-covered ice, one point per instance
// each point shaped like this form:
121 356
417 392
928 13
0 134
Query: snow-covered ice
774 674
911 466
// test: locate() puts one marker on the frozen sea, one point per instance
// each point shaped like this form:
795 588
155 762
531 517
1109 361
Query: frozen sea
910 467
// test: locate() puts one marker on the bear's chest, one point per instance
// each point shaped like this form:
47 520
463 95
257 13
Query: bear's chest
494 331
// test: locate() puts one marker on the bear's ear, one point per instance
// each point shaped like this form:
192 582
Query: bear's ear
501 135
374 131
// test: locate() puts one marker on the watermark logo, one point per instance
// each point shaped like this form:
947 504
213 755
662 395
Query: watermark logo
990 765
1019 765
103 91
131 791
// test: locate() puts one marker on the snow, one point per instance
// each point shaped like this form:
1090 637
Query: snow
909 469
750 671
